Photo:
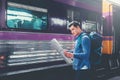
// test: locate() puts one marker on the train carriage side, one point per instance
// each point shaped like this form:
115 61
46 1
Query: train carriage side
26 31
115 30
110 37
28 26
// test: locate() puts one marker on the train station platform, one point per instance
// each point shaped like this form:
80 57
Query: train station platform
115 78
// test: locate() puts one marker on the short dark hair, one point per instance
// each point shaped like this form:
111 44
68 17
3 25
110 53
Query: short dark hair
74 23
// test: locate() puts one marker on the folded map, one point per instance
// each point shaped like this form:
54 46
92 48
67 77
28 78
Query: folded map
56 45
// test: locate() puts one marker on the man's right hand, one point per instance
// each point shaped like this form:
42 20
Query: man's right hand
68 54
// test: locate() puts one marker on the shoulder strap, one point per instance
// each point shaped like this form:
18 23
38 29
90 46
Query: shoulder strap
83 34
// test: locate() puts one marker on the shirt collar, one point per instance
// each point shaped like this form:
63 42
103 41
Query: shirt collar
78 35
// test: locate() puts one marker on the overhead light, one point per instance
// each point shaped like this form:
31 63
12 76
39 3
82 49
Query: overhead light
115 2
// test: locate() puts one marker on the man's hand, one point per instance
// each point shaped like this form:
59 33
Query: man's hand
68 54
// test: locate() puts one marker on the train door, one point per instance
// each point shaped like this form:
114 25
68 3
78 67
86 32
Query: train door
116 25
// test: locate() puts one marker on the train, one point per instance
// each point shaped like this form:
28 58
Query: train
28 26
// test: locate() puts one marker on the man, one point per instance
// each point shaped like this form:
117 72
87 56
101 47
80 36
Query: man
81 52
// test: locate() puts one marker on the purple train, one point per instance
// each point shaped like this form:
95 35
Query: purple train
27 26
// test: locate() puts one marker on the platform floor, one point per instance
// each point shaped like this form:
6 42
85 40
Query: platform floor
115 78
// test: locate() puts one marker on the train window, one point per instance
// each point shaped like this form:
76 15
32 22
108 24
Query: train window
26 17
73 15
89 26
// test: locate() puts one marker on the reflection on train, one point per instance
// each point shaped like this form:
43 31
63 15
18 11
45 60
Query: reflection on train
26 28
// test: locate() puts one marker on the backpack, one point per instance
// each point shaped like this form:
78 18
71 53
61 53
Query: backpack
96 45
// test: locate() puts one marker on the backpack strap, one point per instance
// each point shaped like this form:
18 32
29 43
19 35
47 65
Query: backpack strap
97 51
80 38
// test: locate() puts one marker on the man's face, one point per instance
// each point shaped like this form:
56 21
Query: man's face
75 30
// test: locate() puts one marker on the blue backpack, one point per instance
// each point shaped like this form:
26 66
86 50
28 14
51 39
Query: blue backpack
96 45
